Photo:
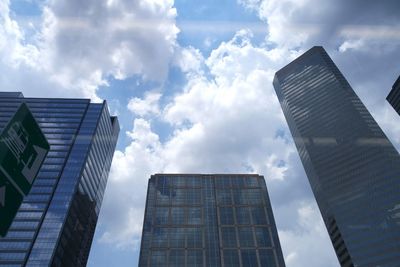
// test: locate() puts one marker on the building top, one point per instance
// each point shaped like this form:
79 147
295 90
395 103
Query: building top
313 50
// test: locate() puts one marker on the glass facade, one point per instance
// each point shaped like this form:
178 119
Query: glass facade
353 169
55 224
394 96
209 220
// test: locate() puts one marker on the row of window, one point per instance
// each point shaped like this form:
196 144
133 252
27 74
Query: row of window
198 181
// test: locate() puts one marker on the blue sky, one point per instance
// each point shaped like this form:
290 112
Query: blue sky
191 82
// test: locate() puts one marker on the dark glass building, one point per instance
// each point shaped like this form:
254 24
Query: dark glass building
353 169
394 96
209 220
55 224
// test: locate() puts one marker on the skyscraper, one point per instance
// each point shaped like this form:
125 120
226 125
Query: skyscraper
394 96
209 220
353 169
55 224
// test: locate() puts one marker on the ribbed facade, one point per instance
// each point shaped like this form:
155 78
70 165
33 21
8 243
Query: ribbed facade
209 220
55 224
353 169
394 96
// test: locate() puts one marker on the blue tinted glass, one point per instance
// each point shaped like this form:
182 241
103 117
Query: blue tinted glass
228 237
231 258
226 215
249 258
246 237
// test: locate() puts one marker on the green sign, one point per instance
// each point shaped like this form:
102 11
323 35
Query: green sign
23 148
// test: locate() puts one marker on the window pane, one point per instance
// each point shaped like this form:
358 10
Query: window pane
194 196
158 258
194 216
239 197
178 215
267 258
262 237
177 258
258 215
224 197
162 215
246 237
194 237
226 215
195 258
228 237
249 258
243 215
160 237
178 197
231 258
177 237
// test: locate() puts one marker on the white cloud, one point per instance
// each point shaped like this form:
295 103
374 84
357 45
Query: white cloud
147 106
79 45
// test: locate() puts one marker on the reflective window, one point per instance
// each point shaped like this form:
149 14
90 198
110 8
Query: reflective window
160 237
194 216
195 258
158 258
231 258
177 237
178 215
249 258
267 258
194 237
243 215
193 196
246 237
258 215
224 197
177 257
228 237
162 215
226 215
262 237
178 197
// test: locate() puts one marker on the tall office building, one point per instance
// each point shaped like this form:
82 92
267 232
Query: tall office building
353 169
209 220
394 96
55 224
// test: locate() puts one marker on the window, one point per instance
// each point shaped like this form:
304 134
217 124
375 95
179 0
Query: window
162 215
249 258
177 258
258 215
194 216
228 237
246 237
178 197
226 215
267 258
224 197
262 237
195 258
243 215
160 237
194 237
177 237
231 258
178 215
158 258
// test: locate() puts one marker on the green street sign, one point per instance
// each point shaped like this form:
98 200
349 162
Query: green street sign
23 148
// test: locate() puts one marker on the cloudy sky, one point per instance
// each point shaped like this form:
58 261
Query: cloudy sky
191 82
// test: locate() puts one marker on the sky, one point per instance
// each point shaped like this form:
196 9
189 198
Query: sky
191 83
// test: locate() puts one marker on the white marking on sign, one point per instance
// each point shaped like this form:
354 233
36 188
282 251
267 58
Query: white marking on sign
3 196
32 166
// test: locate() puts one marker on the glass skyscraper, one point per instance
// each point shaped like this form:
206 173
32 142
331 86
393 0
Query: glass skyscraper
353 169
209 220
394 96
55 224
